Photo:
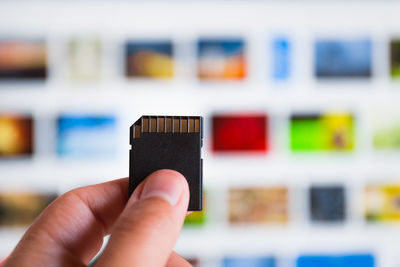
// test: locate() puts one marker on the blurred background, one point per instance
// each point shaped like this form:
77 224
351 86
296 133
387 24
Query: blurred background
300 106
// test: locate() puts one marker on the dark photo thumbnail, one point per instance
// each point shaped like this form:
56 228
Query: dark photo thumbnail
327 203
23 59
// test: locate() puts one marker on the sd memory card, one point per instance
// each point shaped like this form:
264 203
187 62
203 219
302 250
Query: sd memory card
168 142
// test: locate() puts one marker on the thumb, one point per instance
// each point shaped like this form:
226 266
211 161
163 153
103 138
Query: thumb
146 231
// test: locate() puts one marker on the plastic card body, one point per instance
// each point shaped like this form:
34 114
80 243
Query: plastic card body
168 142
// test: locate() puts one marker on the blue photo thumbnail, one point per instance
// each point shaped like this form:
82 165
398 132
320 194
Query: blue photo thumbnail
343 58
359 260
281 58
86 136
249 262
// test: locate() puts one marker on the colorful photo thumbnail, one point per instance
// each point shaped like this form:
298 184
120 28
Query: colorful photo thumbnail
386 134
240 132
149 59
361 260
249 262
322 132
259 205
86 136
382 203
197 218
85 58
16 135
327 203
221 59
21 208
22 59
395 58
343 58
281 58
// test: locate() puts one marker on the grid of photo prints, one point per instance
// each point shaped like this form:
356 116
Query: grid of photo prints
251 137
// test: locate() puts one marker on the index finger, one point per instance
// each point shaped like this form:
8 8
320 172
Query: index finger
73 226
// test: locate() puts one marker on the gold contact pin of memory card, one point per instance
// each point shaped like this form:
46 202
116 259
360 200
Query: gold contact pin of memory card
166 124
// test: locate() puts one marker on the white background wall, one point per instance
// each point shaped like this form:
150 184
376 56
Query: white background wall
258 22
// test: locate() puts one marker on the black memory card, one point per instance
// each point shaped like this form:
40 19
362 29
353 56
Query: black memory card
168 142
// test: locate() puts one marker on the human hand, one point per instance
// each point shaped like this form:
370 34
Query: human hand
143 229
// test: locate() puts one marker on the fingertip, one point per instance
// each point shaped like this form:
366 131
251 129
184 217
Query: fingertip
167 184
170 174
150 223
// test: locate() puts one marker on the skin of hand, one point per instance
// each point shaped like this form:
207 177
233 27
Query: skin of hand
143 229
